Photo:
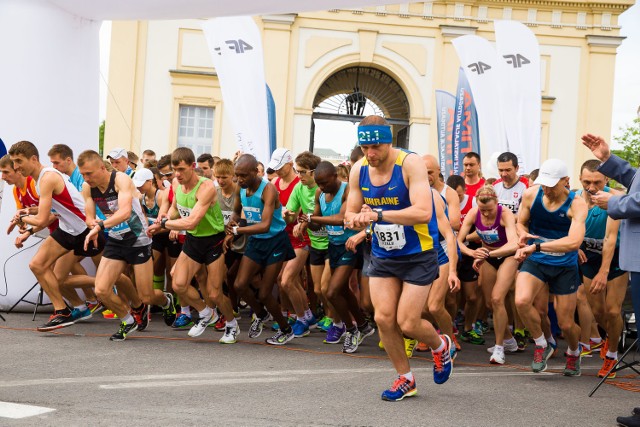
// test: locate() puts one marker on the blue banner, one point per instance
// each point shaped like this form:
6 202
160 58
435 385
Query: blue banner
271 110
445 105
466 137
3 149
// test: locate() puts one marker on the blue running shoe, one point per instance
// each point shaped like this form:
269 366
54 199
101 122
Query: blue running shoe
442 364
400 389
78 315
335 334
300 329
313 322
182 321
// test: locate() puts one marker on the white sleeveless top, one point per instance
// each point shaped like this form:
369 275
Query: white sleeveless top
68 205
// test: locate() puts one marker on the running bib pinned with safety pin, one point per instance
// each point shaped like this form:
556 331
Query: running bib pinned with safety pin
390 236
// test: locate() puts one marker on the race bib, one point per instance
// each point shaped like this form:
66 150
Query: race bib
390 236
227 216
119 230
253 215
318 233
184 211
594 245
489 236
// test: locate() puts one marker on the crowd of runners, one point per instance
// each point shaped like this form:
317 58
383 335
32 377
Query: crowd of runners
381 248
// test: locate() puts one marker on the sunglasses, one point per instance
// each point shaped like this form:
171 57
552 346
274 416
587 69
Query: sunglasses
166 174
303 172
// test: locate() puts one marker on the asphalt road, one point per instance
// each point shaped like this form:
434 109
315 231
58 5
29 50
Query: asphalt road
161 377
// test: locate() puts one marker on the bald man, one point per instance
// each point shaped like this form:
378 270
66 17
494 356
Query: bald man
449 194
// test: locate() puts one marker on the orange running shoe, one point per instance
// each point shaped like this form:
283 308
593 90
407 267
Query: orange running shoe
456 343
606 367
422 347
604 349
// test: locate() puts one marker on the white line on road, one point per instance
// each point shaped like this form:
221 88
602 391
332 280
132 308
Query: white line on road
213 376
16 410
174 383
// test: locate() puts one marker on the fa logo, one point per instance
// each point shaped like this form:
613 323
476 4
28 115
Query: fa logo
516 60
479 67
239 46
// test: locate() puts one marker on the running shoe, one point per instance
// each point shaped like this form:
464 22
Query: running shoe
123 331
422 347
509 347
108 314
607 365
572 368
497 357
56 321
335 334
230 335
410 346
520 340
201 325
312 322
300 329
79 315
540 357
182 321
585 351
366 331
400 389
257 325
351 341
554 348
380 345
142 317
481 327
324 323
95 307
221 324
169 313
456 343
442 364
280 338
604 349
472 337
596 345
290 320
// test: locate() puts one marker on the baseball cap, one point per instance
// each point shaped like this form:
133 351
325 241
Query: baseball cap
118 153
142 176
279 158
551 171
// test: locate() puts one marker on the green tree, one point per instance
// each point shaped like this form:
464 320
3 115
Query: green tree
101 138
629 139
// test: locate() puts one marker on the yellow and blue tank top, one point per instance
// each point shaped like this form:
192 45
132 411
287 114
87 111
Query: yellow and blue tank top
253 206
393 240
549 226
338 235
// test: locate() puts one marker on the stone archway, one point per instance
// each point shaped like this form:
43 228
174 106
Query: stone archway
350 94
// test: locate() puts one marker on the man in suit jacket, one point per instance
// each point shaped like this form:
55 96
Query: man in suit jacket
626 208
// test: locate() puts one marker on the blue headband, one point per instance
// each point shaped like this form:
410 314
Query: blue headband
374 134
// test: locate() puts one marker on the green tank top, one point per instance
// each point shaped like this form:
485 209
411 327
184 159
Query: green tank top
212 222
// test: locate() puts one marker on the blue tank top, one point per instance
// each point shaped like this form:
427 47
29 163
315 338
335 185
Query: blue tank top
596 227
338 235
253 206
393 240
440 244
551 226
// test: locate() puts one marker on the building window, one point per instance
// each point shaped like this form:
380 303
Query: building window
195 129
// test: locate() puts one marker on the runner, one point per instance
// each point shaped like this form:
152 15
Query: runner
119 158
496 226
195 208
329 212
551 226
605 283
57 192
403 262
128 244
267 249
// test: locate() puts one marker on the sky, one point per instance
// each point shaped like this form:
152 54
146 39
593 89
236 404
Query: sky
626 99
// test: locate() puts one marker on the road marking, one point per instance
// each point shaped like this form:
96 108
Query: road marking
194 382
16 410
213 376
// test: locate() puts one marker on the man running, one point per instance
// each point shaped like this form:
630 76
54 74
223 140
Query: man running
605 282
267 249
551 226
195 208
128 244
404 263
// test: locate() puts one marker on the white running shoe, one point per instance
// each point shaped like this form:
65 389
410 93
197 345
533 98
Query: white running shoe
509 347
230 335
197 329
497 358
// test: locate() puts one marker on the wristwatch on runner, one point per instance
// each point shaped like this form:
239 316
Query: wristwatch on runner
379 211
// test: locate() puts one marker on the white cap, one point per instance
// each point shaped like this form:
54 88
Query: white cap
279 158
142 176
551 171
118 153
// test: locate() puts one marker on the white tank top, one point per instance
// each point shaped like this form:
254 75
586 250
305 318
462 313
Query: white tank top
68 205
